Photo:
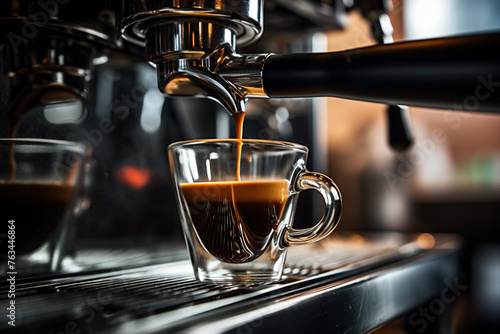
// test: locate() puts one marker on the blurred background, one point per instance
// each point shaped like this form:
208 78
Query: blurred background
448 181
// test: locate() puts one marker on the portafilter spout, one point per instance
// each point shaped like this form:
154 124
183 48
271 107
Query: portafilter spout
210 69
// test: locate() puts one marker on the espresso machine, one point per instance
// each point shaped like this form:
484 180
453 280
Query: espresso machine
129 77
78 71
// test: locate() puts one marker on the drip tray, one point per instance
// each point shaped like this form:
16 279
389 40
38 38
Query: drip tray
345 282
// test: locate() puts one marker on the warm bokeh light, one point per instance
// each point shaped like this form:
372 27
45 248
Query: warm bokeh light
356 239
426 241
133 176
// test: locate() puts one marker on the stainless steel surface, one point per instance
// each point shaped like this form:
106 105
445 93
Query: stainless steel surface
218 74
245 73
197 78
348 282
244 17
174 40
186 53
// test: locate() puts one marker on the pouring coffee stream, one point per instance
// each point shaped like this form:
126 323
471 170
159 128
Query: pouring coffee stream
239 118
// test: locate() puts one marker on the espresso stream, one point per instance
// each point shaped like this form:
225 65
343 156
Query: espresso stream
235 220
239 118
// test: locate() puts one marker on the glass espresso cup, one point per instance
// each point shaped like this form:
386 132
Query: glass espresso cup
237 200
39 180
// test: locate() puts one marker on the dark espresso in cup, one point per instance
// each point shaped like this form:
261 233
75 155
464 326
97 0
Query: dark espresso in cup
38 210
235 220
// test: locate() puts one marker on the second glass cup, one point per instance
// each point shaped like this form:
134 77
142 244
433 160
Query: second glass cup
39 183
237 200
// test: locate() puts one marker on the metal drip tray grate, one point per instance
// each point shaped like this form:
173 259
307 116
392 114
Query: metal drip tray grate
126 300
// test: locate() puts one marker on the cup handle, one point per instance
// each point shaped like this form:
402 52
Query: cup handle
333 207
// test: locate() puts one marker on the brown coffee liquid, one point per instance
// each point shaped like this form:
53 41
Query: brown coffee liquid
38 210
235 220
239 117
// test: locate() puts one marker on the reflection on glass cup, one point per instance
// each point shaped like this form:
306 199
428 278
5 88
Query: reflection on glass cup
39 180
237 218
